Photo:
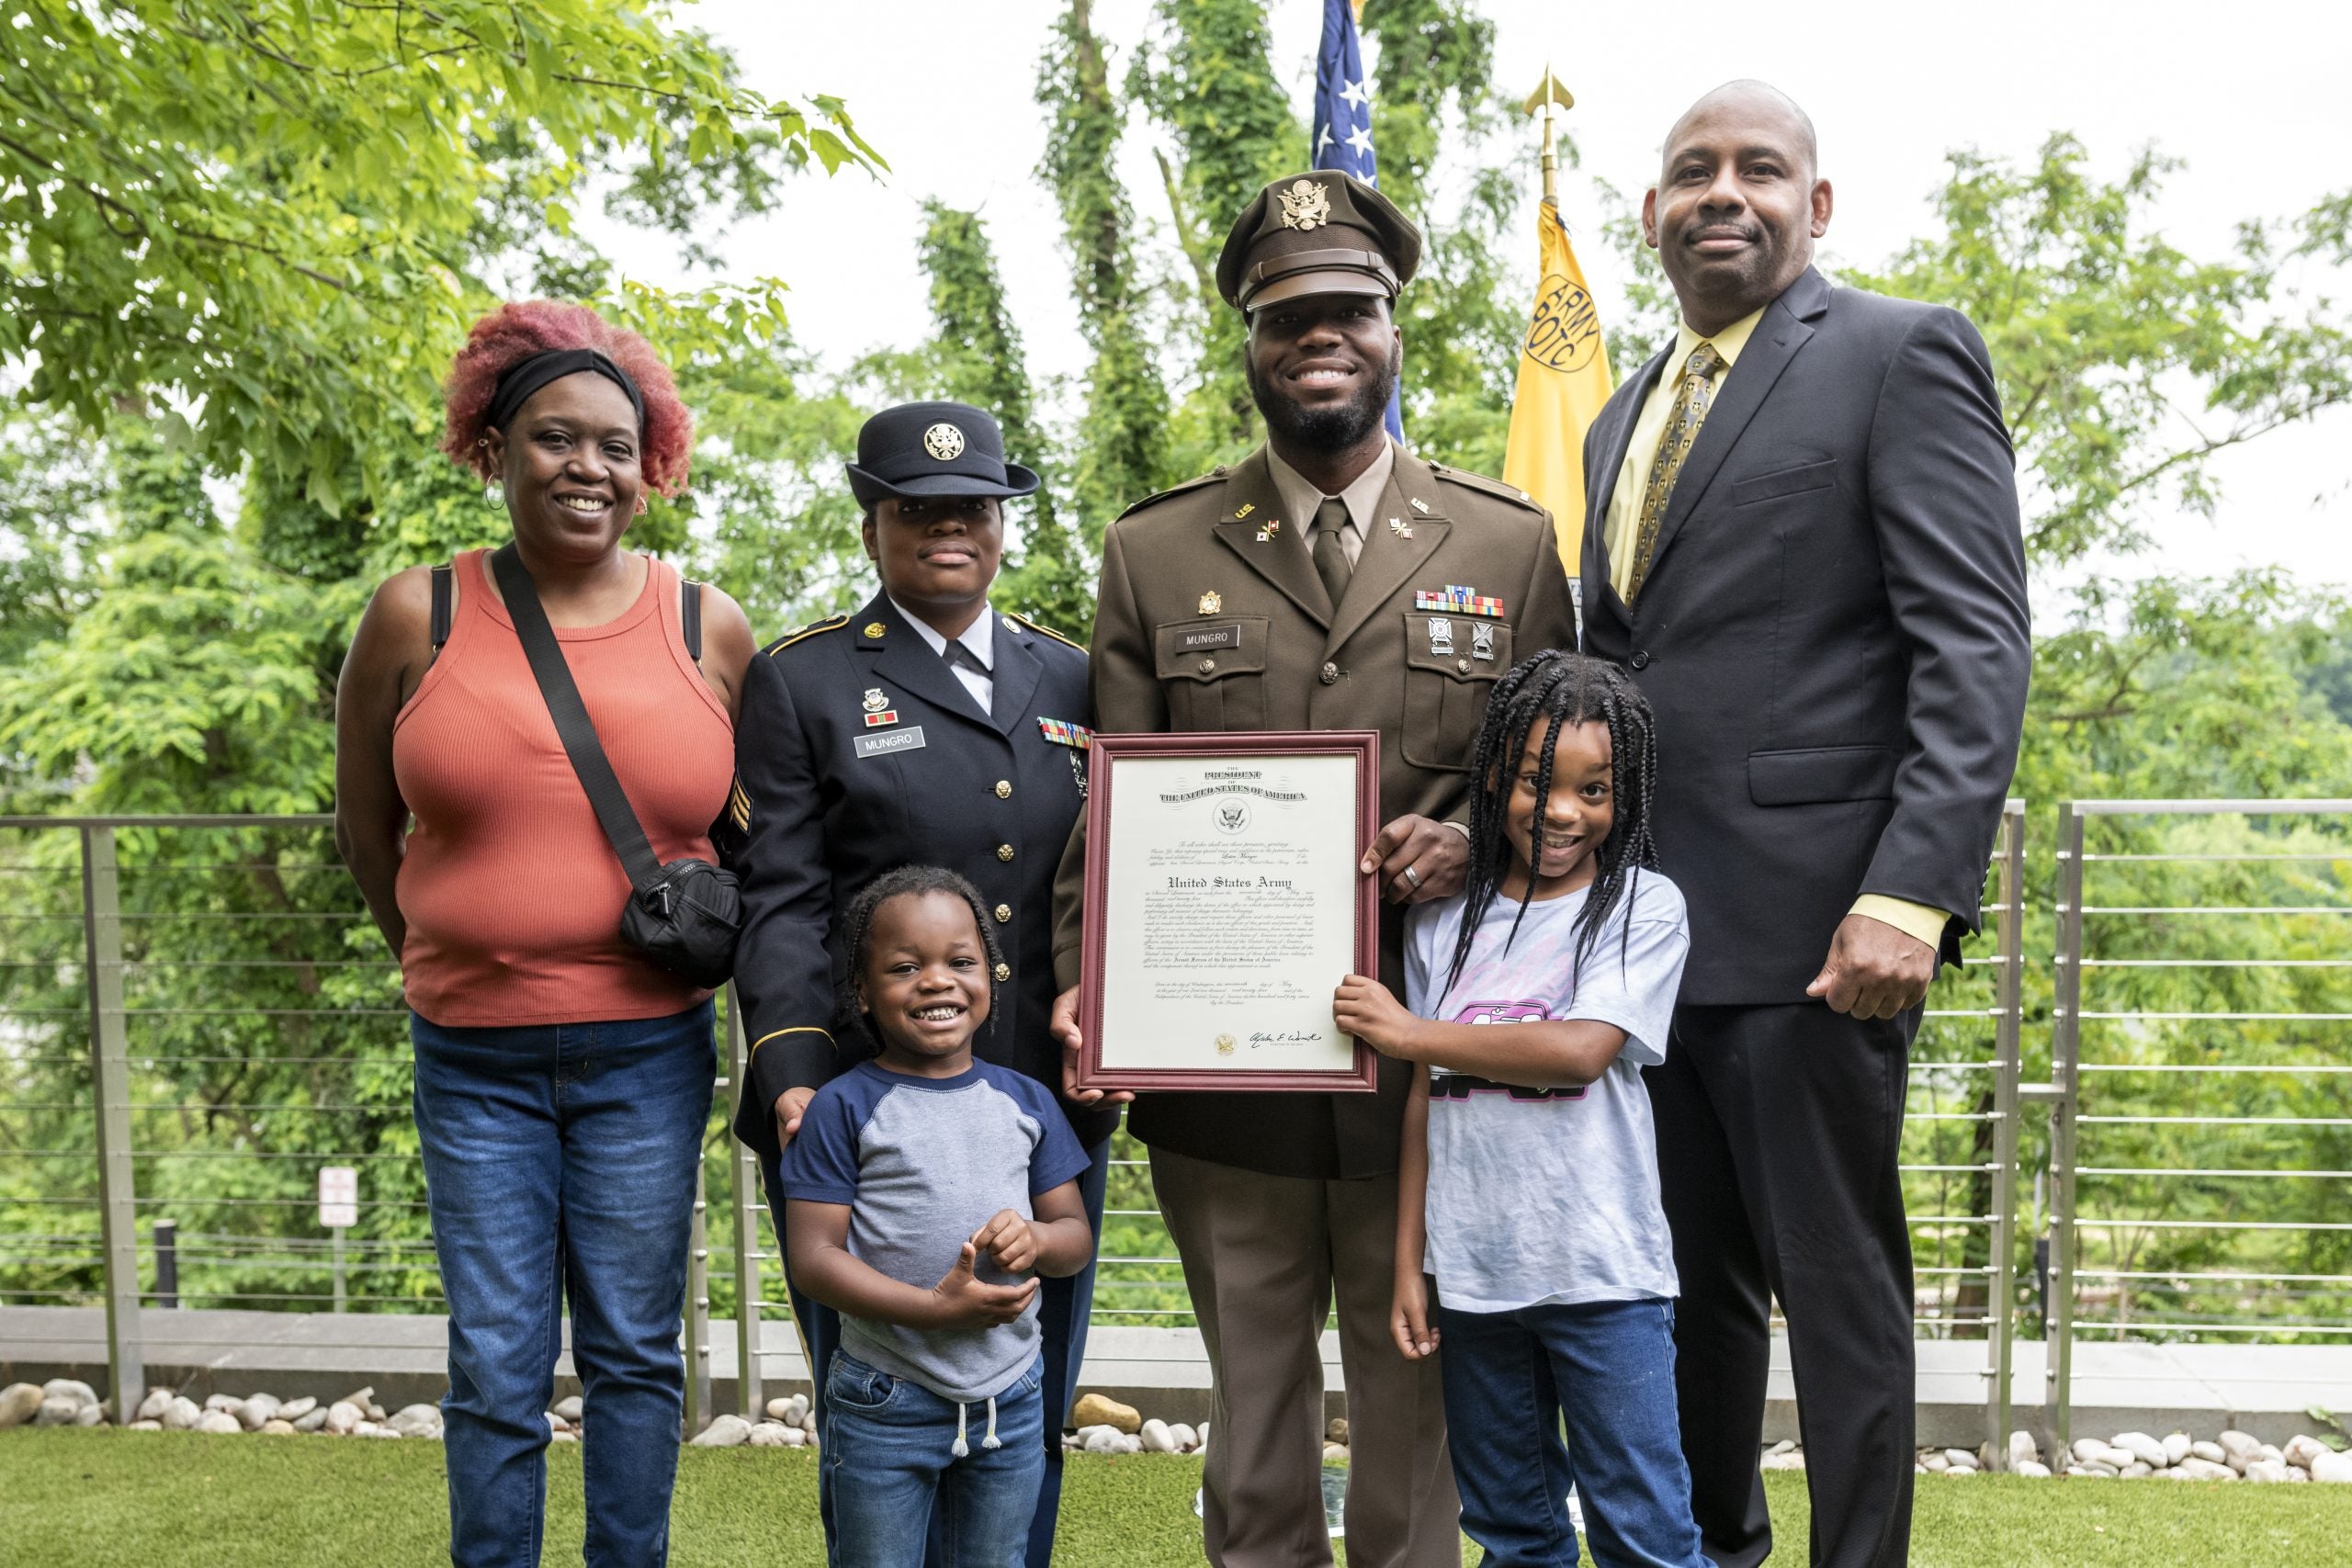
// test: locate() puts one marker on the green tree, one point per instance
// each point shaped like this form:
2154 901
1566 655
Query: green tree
1121 445
265 213
1205 74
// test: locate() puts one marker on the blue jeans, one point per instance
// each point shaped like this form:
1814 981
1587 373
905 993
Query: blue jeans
890 1457
1064 1306
560 1161
1606 1369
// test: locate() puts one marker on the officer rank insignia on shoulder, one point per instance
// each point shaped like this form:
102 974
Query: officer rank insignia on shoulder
830 622
1023 623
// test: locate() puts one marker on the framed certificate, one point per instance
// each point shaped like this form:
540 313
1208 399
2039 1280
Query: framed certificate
1223 909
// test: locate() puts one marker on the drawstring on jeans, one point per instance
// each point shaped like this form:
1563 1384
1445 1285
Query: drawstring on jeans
961 1448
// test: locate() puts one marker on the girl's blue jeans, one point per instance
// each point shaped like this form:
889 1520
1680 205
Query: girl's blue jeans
1603 1369
560 1163
890 1457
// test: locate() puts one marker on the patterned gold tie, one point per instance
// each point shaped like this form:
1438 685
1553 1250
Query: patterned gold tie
1674 446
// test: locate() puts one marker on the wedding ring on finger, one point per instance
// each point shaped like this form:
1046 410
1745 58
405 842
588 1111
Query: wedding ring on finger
1413 878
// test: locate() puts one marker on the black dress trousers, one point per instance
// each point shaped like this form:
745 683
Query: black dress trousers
1778 1135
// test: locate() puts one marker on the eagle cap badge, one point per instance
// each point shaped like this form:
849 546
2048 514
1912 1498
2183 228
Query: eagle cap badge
1305 204
943 441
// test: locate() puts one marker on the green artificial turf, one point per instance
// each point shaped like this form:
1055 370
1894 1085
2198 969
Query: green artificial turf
104 1499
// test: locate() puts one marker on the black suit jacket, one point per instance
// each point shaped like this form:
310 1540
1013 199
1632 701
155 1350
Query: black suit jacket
827 801
1832 632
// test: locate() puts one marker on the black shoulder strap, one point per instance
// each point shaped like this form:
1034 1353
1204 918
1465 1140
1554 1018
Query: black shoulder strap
441 577
690 616
572 721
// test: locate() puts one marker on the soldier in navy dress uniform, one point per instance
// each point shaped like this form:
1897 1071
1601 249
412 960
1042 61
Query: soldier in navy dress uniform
932 727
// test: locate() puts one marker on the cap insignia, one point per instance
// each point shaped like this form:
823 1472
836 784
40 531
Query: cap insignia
943 441
1305 204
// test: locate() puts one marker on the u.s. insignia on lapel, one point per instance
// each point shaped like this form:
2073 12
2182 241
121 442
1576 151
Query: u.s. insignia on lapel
878 711
1418 504
1244 510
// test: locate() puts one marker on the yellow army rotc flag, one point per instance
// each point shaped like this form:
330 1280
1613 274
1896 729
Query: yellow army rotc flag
1562 369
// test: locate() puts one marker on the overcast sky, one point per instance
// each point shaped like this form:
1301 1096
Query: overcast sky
2251 96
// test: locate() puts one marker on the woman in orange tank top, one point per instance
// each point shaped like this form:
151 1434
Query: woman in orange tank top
563 1082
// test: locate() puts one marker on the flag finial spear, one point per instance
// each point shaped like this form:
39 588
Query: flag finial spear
1549 99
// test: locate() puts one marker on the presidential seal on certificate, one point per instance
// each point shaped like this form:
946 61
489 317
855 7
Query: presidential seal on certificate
1224 907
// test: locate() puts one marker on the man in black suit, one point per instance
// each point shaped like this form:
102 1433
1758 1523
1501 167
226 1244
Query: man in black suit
1803 539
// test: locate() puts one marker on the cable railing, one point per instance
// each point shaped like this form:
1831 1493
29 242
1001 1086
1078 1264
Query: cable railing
2201 1112
196 1014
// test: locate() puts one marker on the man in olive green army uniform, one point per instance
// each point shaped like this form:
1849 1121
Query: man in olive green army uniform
1329 580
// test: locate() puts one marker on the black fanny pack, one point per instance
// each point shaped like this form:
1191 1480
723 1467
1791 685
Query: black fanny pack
684 915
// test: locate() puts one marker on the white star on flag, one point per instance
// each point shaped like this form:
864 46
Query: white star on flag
1360 138
1322 139
1354 93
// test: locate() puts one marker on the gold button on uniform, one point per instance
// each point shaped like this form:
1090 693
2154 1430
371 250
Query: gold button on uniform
1004 789
1004 852
1462 665
1207 665
1329 674
1003 973
1003 913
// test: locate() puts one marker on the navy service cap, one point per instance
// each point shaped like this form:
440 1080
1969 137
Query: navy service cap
1320 232
925 449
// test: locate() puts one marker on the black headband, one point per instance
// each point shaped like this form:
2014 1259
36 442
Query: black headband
520 380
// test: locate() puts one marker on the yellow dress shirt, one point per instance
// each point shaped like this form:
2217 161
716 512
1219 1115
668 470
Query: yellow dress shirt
1923 922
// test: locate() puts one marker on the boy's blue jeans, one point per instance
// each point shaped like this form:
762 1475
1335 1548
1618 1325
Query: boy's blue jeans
890 1457
1606 1369
559 1160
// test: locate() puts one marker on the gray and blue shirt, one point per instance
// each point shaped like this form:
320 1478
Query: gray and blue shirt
922 1164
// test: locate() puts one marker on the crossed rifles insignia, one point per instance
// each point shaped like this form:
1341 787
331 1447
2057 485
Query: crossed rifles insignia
1305 204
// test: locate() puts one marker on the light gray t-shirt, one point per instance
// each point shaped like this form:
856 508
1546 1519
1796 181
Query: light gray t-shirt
1549 1197
923 1163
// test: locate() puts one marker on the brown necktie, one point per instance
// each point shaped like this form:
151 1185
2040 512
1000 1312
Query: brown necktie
1332 547
1674 444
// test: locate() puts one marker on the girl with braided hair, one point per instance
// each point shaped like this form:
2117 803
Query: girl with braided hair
1529 1235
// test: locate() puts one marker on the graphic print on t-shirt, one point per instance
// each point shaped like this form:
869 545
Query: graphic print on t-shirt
1445 1084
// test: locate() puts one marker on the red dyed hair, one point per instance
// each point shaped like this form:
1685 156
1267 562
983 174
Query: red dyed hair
513 333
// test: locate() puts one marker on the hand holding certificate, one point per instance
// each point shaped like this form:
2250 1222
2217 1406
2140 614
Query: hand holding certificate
1224 903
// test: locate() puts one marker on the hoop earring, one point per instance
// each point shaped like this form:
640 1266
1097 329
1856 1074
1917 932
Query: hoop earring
494 495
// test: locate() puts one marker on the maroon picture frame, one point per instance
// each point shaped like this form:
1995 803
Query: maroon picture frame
1363 745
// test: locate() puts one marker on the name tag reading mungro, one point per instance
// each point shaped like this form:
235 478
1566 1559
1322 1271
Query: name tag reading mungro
1208 636
909 740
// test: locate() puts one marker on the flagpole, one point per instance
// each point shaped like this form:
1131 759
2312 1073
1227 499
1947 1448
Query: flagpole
1548 98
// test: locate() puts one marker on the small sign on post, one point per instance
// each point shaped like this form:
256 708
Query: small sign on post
338 1196
338 1208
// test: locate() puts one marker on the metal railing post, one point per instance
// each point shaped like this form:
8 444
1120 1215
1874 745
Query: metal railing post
744 1193
2066 1054
2001 1299
698 1313
111 1087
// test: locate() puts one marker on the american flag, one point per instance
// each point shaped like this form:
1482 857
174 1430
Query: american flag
1343 122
